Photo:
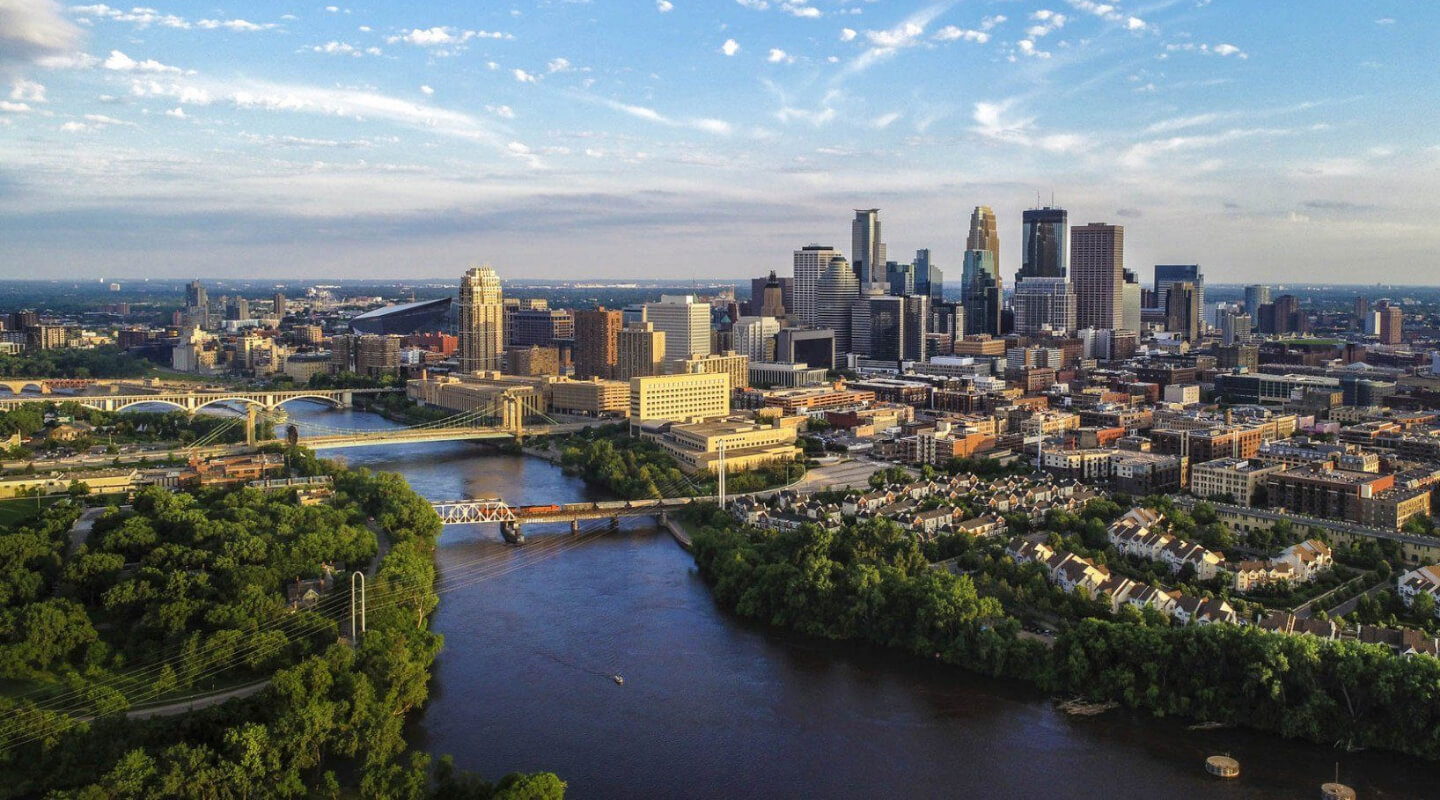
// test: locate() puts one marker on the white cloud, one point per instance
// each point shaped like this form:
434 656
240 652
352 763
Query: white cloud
886 42
799 9
503 112
1110 13
777 56
27 91
31 29
950 33
442 36
995 121
523 76
716 126
177 112
989 23
68 61
14 108
847 34
240 25
146 17
1385 21
363 29
100 120
1027 48
730 48
885 120
557 65
1222 49
338 48
758 5
664 6
119 62
74 127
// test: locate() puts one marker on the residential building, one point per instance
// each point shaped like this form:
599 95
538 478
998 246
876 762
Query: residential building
810 262
597 336
1236 480
640 351
482 322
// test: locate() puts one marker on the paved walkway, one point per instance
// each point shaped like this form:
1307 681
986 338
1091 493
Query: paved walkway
196 702
80 531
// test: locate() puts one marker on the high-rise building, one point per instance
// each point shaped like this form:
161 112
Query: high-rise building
1044 304
528 326
679 398
755 337
278 304
1235 325
1166 274
1256 295
1392 323
772 299
595 343
482 321
810 261
1130 319
1361 311
917 328
877 327
1097 270
836 289
1044 244
929 279
640 351
867 248
195 295
900 278
984 233
981 293
685 323
237 309
1183 310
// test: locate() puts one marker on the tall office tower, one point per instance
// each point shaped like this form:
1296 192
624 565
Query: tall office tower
640 351
916 328
278 304
1235 325
929 279
525 327
983 233
1361 310
835 289
1044 304
1256 295
810 261
867 249
878 327
197 304
755 337
900 278
1282 316
948 319
1182 310
482 322
1130 319
981 293
1044 244
685 323
1166 274
237 309
595 343
1392 323
772 300
1097 269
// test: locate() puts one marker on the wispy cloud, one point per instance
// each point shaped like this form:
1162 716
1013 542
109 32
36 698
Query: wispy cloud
30 30
999 122
708 125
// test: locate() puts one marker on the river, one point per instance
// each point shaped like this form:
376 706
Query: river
716 707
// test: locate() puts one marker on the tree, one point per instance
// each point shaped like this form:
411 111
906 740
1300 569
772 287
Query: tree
1423 606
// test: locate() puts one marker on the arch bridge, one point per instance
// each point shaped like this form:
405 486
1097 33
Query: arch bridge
192 401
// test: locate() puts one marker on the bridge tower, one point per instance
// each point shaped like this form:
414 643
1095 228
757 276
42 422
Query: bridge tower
250 425
512 415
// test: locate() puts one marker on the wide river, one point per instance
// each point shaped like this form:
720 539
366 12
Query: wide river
715 706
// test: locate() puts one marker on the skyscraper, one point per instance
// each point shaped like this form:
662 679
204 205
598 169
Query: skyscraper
810 261
278 303
596 333
867 249
981 293
772 299
1097 270
482 321
685 323
1256 295
1392 323
983 233
755 337
1130 317
1182 310
836 288
1044 244
1166 274
929 279
900 278
1044 304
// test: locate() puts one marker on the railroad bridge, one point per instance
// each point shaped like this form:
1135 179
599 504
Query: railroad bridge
512 519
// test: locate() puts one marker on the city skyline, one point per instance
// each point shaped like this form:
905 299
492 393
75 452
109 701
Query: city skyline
359 142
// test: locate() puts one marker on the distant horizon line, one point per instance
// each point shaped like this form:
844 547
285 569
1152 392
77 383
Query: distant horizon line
668 282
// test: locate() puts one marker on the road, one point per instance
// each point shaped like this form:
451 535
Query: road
80 531
197 702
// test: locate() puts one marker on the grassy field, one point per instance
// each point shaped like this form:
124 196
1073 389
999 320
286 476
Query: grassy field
19 510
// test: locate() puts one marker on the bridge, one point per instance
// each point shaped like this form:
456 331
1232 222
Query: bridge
45 385
512 519
194 400
447 434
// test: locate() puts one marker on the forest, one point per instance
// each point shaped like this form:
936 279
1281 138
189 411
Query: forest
74 362
870 581
187 593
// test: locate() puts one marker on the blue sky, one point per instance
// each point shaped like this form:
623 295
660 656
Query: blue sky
1265 140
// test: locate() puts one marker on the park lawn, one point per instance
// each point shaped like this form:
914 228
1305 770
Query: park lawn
19 510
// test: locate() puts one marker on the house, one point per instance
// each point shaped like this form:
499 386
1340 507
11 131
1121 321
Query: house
1309 558
1425 580
1143 594
1285 622
1203 610
1250 575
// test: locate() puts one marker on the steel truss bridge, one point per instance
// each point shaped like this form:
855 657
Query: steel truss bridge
512 519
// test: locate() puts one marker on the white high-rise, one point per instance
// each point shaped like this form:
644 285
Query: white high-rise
482 321
755 337
685 323
1044 304
810 261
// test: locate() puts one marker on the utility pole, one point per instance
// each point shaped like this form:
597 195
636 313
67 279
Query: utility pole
720 478
357 574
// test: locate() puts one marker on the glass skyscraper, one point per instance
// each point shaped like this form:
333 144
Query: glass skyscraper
1044 244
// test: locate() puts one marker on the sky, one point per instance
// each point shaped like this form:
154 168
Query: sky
1266 141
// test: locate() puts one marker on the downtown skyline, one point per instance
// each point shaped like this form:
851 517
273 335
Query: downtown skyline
361 142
